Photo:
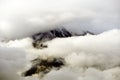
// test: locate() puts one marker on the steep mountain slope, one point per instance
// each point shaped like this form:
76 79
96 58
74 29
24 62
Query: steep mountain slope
40 38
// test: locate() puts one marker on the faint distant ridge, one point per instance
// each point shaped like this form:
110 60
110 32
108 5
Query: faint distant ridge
42 37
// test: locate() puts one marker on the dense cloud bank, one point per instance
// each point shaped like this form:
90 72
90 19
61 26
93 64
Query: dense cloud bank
91 57
22 18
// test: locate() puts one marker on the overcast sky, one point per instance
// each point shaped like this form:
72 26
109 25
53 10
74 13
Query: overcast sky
21 18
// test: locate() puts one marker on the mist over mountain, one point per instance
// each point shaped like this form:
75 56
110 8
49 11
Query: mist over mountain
40 38
59 40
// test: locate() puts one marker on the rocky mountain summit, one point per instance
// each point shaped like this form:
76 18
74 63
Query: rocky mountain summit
42 37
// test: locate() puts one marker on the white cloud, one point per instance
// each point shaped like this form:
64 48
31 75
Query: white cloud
26 17
91 57
88 57
11 61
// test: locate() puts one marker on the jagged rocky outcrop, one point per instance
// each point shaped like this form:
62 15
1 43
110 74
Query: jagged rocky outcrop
40 38
49 35
44 66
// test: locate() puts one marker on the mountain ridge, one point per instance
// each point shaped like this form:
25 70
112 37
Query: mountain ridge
40 38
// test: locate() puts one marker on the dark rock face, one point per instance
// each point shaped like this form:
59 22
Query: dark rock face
49 35
40 38
44 66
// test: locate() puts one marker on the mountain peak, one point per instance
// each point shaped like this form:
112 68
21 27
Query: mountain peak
42 37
